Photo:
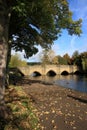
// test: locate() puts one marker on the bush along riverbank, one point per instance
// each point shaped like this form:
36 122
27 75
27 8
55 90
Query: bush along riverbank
20 109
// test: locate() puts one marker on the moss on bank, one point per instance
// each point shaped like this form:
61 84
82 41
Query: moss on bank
21 115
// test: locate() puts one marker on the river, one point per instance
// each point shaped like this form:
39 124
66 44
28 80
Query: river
75 82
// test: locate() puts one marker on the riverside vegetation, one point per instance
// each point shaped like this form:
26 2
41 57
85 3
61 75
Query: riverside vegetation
20 110
36 105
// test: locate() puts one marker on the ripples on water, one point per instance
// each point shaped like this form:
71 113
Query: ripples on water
75 82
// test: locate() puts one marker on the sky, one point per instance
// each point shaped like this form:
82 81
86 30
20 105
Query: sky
66 43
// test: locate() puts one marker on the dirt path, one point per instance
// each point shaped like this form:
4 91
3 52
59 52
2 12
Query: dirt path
58 108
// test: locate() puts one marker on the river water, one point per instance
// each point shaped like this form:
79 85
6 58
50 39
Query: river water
75 82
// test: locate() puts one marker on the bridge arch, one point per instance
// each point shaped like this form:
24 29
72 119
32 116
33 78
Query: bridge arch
77 72
64 72
51 73
36 73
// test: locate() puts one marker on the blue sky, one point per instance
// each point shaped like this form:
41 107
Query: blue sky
66 43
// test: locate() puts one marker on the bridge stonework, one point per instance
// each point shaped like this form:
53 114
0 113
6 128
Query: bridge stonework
44 69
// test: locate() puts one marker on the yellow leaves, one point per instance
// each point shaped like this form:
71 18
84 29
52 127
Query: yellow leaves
73 115
55 127
74 128
20 91
59 112
46 112
72 123
53 111
25 124
80 118
22 110
52 121
64 2
47 118
69 114
42 128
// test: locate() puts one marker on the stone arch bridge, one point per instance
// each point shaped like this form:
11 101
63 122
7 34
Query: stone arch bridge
46 69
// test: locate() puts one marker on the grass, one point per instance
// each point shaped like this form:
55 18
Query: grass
22 116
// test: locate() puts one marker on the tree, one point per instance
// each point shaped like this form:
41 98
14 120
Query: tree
62 60
44 58
67 58
51 54
16 61
51 17
84 61
75 54
76 58
55 60
27 23
47 56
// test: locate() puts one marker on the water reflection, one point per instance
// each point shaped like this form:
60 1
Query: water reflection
70 81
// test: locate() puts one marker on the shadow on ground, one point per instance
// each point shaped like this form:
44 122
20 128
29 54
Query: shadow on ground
78 99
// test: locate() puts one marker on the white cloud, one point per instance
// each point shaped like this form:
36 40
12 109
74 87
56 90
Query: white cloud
72 45
79 8
55 48
35 58
21 54
72 42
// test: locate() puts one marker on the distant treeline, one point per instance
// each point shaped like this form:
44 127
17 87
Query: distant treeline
79 59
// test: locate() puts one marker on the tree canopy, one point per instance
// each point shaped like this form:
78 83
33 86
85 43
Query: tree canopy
24 24
39 22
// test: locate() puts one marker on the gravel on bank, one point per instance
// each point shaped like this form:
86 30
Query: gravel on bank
57 108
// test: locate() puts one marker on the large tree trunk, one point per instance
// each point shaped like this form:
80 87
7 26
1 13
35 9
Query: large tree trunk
3 51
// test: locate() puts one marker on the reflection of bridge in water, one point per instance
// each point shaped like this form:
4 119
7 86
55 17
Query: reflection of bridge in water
49 69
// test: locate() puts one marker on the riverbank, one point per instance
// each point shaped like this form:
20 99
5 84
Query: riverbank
18 111
55 107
